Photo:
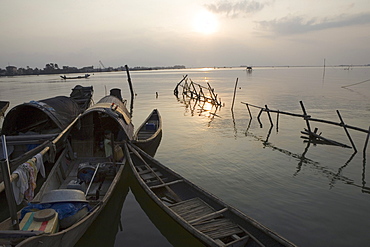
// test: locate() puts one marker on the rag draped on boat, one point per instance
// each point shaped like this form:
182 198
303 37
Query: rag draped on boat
25 185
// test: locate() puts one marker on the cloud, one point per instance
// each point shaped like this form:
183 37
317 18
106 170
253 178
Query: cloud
234 9
298 24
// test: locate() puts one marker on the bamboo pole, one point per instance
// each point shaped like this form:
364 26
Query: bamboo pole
259 117
185 87
268 114
212 93
356 83
9 189
323 74
345 129
310 118
194 90
176 91
314 135
236 84
306 117
278 111
367 140
131 89
250 114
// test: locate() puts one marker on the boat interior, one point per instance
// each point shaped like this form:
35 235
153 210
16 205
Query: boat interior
149 128
87 136
83 174
188 203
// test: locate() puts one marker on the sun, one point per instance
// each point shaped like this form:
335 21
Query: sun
205 23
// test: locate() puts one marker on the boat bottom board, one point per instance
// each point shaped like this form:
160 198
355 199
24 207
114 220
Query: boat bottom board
221 230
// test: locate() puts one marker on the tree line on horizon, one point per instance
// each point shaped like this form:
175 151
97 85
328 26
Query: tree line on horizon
53 68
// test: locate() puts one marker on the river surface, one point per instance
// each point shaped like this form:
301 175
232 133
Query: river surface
313 195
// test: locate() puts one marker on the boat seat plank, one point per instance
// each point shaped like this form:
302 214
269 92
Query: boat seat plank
219 228
144 136
148 176
166 184
208 216
192 209
147 171
208 221
242 241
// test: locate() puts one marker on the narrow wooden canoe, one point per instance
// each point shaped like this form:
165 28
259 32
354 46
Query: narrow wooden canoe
82 181
206 217
75 77
149 135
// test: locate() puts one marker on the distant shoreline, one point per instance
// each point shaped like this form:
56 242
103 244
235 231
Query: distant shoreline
49 70
54 69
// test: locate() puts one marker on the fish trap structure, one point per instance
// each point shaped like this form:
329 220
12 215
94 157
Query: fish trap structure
196 91
312 135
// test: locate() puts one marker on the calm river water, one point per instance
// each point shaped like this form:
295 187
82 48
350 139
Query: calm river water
312 195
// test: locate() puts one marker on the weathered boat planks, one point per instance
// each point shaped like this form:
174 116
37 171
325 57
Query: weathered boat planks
207 218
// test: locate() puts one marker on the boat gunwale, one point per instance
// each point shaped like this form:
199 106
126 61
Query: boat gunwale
185 224
155 134
90 216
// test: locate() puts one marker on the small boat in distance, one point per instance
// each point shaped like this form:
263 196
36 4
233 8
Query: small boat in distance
149 135
75 77
205 217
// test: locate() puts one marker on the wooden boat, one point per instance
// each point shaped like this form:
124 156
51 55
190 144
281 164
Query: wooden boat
29 127
82 180
149 134
207 218
3 107
75 77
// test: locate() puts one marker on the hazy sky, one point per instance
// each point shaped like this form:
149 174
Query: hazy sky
187 32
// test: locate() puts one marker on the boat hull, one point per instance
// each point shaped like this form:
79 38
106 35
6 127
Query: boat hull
195 209
169 228
70 236
149 134
83 168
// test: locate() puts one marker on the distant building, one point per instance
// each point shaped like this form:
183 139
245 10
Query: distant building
11 70
88 69
67 69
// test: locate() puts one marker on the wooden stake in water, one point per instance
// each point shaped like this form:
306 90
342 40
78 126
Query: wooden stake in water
131 90
323 74
306 117
268 114
367 140
345 129
236 84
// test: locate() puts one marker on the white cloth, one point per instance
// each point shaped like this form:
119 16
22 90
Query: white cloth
21 185
107 148
40 164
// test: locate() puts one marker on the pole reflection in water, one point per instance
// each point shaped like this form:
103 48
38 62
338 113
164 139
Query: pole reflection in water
303 160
